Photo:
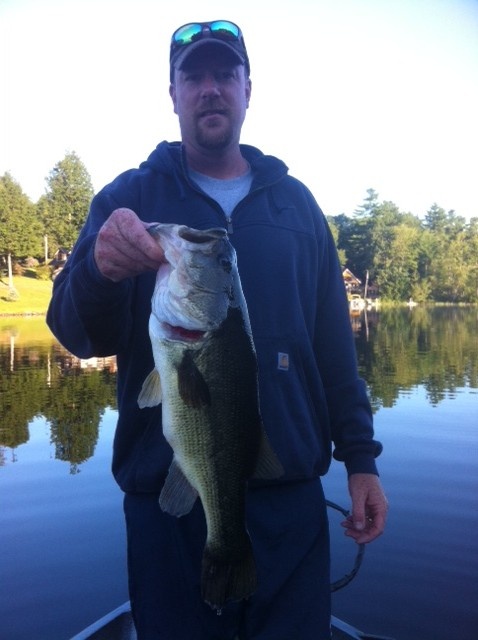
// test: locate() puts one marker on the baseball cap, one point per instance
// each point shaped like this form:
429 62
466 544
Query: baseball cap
190 37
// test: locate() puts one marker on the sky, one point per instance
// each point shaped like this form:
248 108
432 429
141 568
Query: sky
351 94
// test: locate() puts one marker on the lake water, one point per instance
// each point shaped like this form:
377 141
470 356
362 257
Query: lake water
62 560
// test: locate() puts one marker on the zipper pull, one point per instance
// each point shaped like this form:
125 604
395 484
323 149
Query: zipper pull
229 225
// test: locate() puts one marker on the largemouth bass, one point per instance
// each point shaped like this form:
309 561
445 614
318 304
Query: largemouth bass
205 375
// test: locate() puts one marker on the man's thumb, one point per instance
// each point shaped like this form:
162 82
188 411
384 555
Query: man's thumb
358 519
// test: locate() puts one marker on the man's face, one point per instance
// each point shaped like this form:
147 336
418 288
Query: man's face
210 96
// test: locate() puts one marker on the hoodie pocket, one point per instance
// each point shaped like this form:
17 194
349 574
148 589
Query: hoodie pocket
293 405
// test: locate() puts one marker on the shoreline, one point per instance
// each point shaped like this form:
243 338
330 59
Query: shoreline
29 314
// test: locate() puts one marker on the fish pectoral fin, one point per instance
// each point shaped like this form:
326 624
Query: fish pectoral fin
151 394
178 495
268 465
192 386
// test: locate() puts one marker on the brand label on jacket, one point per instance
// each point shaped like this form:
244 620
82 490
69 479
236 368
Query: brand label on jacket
283 361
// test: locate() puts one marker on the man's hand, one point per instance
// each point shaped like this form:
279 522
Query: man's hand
369 508
124 248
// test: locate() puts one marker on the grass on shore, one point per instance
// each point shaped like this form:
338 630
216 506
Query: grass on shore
33 296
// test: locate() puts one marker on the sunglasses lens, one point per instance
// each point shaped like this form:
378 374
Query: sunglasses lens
187 34
225 30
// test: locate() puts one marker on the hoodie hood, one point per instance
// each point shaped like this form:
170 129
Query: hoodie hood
169 158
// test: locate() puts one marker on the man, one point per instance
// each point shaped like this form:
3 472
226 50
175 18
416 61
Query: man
309 386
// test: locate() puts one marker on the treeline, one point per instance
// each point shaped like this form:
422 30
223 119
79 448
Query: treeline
434 259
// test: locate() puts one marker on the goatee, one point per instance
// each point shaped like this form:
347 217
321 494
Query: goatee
214 139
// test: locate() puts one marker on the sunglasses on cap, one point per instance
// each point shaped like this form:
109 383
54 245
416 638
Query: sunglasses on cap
221 29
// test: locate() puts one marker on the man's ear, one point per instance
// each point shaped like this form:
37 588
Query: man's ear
172 93
248 91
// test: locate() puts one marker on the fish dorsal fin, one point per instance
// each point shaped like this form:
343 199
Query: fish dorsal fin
151 394
268 466
192 387
178 495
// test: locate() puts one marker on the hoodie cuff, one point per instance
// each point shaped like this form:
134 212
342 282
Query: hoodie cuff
361 463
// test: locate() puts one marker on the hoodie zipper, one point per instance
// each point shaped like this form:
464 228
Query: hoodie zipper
228 219
229 226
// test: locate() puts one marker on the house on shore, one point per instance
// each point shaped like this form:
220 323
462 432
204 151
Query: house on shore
360 297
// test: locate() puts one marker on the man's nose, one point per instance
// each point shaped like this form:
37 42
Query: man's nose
210 86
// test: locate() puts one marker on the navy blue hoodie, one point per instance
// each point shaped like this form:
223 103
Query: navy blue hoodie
311 394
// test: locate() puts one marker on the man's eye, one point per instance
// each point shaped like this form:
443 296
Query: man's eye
227 75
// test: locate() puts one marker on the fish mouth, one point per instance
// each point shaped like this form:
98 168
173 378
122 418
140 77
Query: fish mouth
181 334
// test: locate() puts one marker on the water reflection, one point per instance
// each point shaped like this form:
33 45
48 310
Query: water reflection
397 349
40 378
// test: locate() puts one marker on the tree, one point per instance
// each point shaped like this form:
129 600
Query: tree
472 260
355 235
354 242
65 206
396 262
369 204
334 229
436 219
20 229
455 276
451 256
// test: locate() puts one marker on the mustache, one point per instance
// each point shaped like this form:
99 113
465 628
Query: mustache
212 107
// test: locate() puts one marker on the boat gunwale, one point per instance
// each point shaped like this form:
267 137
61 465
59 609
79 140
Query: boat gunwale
102 628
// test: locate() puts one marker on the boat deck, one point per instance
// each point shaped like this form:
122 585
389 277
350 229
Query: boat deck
118 625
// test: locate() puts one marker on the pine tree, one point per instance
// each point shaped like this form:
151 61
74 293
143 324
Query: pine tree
65 206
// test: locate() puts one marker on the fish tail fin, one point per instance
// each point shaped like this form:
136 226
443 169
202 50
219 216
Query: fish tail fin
225 579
